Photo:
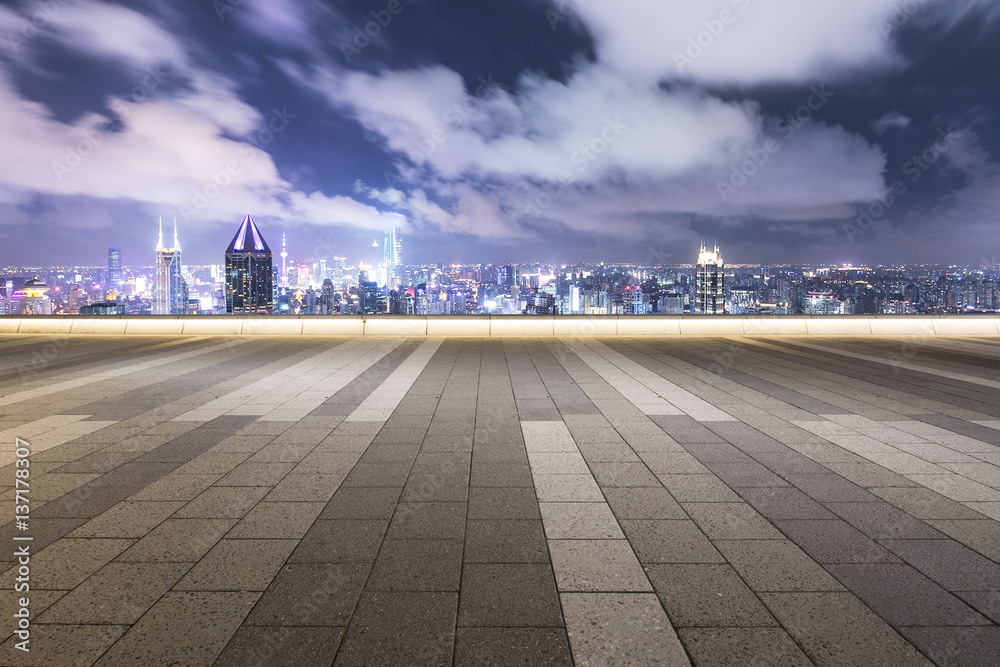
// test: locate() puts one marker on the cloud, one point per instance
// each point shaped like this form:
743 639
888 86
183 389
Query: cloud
752 42
193 149
891 121
597 153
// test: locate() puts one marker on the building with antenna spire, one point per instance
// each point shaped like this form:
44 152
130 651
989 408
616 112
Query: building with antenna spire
249 272
170 291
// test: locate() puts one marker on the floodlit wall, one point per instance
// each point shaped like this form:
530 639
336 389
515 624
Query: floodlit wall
509 325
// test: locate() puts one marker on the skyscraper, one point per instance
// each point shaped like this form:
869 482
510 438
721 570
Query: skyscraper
114 277
170 293
249 272
709 298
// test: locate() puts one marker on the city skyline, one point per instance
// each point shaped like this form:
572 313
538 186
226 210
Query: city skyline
531 131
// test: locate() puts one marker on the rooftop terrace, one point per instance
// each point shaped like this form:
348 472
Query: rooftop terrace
540 500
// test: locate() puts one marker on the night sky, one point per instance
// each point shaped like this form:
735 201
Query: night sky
788 131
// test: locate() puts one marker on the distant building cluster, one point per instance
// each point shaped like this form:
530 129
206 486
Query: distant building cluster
249 281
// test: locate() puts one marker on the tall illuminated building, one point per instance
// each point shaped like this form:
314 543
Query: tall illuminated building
709 297
284 266
170 292
115 277
249 272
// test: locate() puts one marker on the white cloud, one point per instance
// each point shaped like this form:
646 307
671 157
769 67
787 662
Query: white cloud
597 148
891 121
170 151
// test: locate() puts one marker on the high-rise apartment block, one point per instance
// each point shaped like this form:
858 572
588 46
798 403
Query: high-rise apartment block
709 298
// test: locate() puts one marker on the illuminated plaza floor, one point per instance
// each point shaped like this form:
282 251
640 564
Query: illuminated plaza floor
507 501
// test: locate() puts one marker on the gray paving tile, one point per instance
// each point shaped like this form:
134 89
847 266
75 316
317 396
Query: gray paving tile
428 521
508 647
954 566
417 565
506 541
776 565
362 503
902 596
731 521
643 503
837 629
262 646
670 542
310 594
178 541
707 596
735 647
118 594
778 503
883 521
502 503
954 646
830 488
237 565
341 541
62 645
834 541
620 628
182 628
509 595
401 629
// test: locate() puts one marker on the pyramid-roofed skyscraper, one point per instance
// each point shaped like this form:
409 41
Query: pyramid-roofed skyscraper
249 271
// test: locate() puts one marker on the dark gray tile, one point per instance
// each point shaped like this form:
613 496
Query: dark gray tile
501 474
417 565
834 542
507 541
736 647
341 541
777 503
510 647
509 595
883 521
310 594
669 542
502 503
954 566
837 629
903 596
428 521
829 488
745 474
362 503
401 629
261 646
378 474
957 647
706 596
